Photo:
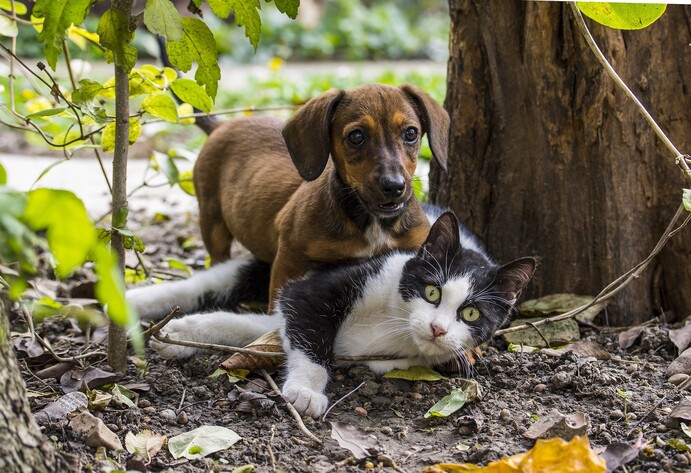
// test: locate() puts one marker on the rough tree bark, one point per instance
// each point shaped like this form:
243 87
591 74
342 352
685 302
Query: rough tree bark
549 158
22 446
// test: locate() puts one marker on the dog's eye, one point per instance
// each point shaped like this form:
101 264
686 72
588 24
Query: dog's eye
356 137
410 135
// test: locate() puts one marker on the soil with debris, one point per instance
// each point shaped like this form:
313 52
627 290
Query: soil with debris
519 390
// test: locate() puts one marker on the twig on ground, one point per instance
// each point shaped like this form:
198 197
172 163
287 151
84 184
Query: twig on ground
532 324
293 412
342 463
684 385
271 452
212 346
182 398
339 400
155 328
638 422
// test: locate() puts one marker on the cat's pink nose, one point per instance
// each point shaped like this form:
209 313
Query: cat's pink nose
437 331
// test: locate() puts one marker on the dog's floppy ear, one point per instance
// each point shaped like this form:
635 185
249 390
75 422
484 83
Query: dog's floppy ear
435 120
307 134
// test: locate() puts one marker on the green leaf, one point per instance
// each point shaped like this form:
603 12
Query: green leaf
108 135
123 396
86 91
8 27
186 183
3 175
192 93
197 45
116 37
202 441
162 18
161 106
166 164
686 197
69 230
247 15
176 264
623 16
415 373
58 15
518 348
46 113
19 8
289 7
447 405
221 8
110 288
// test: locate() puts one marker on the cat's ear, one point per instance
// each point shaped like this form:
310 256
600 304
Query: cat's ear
513 277
443 239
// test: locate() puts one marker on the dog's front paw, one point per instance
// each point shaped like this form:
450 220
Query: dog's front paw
177 330
305 400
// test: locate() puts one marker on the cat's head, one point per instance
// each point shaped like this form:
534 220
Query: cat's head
457 297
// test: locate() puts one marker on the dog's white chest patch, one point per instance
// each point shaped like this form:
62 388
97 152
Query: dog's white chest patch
377 241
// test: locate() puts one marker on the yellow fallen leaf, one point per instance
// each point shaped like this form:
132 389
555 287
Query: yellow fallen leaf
547 456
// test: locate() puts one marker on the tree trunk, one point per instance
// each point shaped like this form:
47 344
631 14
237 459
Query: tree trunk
22 446
548 157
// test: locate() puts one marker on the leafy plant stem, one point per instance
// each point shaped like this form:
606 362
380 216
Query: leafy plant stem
73 81
117 334
680 159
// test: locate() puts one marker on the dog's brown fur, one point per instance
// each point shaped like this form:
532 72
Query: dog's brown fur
301 212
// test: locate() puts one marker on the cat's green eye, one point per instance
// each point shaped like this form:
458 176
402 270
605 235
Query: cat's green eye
432 293
470 314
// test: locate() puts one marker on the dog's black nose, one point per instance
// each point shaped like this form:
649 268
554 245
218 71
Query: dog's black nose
392 186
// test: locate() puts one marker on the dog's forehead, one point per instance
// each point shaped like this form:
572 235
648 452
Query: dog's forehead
377 101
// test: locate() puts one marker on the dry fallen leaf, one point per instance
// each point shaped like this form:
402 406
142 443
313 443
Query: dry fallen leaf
269 342
146 443
681 337
547 456
556 424
583 348
57 410
360 443
617 454
202 441
628 337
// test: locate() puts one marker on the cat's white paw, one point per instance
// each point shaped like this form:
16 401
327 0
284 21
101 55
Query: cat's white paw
305 400
384 366
177 330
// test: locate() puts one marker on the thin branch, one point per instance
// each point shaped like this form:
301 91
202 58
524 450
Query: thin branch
155 328
678 156
293 412
618 284
229 111
341 399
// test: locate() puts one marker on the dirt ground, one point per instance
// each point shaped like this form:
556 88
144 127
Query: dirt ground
519 389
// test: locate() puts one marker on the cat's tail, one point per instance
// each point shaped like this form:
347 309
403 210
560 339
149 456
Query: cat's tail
221 287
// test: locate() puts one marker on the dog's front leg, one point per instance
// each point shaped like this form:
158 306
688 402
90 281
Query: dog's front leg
288 264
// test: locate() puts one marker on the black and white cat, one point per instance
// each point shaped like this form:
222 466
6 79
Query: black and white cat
423 308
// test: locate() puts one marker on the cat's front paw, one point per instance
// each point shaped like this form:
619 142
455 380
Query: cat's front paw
305 400
177 330
384 366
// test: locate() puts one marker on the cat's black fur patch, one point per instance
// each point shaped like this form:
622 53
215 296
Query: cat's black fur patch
314 308
252 285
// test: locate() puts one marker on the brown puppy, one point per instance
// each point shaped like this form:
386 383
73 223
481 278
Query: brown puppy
301 212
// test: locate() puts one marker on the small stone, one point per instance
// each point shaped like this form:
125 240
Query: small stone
113 427
682 459
416 396
631 416
677 379
505 415
661 428
386 430
369 465
632 368
168 415
149 410
182 418
540 388
361 411
561 380
144 403
616 414
339 378
146 420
